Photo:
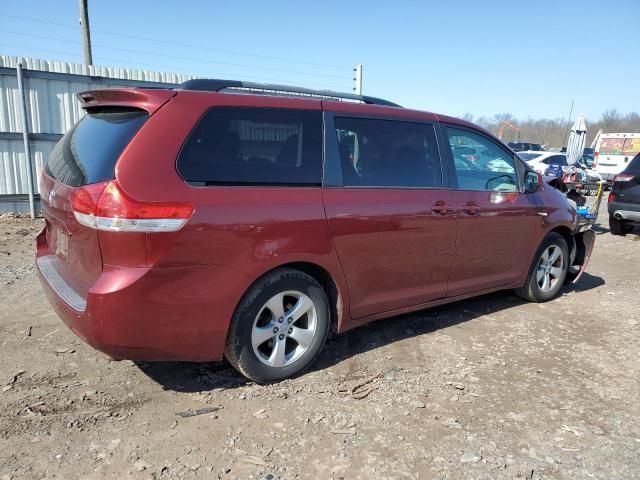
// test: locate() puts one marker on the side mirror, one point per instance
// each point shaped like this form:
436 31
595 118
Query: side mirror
532 181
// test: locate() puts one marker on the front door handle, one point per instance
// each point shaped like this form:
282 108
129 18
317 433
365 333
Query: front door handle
441 207
470 208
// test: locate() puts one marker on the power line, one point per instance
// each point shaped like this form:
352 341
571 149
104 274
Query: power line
180 44
178 57
171 69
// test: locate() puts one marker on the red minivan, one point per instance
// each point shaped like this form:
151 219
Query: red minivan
248 221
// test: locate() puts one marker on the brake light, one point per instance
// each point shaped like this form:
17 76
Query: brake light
104 206
595 159
612 198
623 177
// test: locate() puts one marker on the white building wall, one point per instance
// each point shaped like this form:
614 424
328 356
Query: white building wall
52 107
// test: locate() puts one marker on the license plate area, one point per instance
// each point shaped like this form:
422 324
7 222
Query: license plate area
59 243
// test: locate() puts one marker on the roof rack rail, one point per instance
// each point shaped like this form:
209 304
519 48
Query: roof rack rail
216 85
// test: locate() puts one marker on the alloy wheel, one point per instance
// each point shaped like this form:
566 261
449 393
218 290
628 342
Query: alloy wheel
284 328
550 268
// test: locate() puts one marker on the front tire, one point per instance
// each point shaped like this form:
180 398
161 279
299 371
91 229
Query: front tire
279 326
548 271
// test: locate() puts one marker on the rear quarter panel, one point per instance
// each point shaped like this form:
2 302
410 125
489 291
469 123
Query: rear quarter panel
250 230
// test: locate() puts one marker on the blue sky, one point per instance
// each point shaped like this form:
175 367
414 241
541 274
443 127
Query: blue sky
483 57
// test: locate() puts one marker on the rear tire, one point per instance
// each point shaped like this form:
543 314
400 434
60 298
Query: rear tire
619 227
548 270
279 326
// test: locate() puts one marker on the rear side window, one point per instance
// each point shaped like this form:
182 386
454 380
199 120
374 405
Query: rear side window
631 146
611 146
388 153
254 146
89 151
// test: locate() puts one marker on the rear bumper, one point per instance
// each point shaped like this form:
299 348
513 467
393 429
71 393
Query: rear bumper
626 215
625 211
169 313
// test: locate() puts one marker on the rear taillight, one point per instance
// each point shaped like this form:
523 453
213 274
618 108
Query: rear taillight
623 177
595 159
104 206
612 198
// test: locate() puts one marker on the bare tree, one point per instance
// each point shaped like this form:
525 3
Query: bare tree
468 117
553 132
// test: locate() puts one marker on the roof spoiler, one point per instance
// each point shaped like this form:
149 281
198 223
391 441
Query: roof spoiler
148 100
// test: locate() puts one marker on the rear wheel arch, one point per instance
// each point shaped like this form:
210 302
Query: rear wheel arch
333 292
267 340
323 276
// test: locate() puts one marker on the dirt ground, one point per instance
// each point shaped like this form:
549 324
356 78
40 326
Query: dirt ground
489 388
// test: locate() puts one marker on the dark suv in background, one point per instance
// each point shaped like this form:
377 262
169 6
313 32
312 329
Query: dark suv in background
526 146
624 199
248 221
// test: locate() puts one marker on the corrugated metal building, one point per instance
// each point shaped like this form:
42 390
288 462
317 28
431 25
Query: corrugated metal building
51 108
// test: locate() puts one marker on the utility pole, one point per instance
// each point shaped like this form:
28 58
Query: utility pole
86 36
358 79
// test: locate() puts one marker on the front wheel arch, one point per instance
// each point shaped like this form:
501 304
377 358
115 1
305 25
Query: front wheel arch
530 290
567 234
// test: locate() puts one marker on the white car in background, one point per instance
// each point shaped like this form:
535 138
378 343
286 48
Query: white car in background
540 161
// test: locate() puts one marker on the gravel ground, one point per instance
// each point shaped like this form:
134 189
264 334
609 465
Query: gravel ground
488 388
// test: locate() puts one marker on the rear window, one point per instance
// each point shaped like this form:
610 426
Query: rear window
611 146
89 151
254 146
631 146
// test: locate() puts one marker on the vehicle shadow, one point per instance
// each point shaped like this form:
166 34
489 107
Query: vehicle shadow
395 329
587 282
601 229
214 377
